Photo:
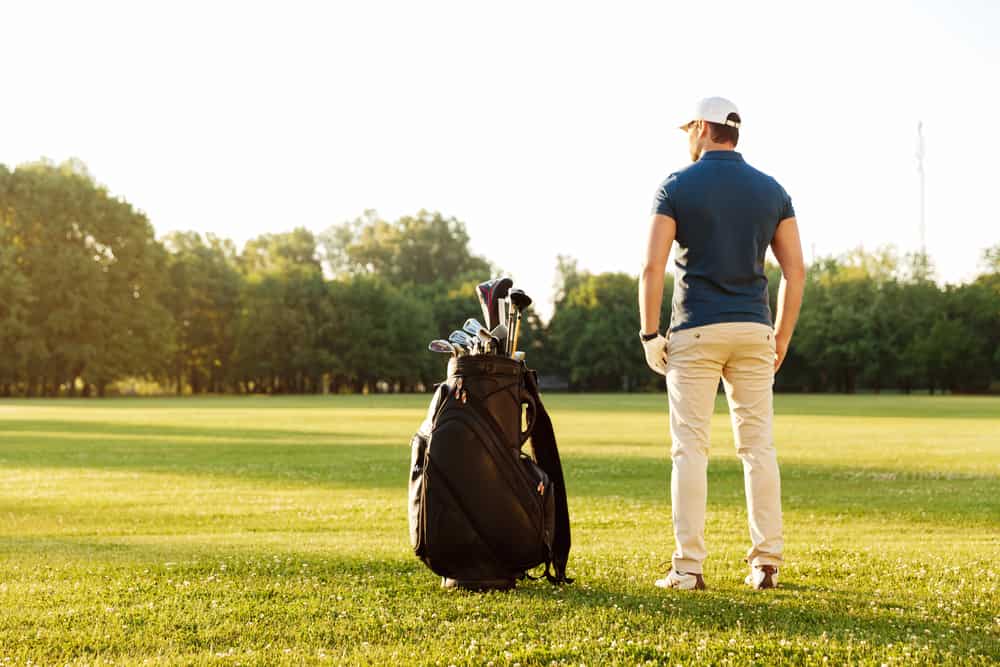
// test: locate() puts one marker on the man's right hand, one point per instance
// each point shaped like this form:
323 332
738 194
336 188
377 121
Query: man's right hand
656 354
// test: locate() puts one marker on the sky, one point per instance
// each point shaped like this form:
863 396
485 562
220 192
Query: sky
545 127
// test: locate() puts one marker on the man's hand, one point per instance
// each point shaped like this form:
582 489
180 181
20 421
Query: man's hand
656 354
780 352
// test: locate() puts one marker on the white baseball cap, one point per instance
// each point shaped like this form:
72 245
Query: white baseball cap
714 110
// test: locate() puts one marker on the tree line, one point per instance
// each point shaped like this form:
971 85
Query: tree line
871 321
91 300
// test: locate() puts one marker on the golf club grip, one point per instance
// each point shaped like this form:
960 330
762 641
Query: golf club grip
532 414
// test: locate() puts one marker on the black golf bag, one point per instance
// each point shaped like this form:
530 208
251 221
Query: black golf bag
482 511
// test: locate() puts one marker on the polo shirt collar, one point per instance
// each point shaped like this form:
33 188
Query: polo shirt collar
721 155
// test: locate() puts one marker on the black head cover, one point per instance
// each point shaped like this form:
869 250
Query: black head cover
519 299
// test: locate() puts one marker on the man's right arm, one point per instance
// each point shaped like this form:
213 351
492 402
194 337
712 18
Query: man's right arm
787 248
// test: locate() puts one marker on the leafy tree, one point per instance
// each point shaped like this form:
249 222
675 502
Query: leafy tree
15 298
204 300
378 333
594 332
282 253
88 258
280 347
420 249
284 312
135 335
990 260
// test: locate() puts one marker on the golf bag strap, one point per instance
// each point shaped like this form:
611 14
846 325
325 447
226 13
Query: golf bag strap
543 442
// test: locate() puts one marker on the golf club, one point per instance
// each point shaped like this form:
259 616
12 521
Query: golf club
503 308
486 339
500 333
442 346
459 337
472 326
489 293
519 300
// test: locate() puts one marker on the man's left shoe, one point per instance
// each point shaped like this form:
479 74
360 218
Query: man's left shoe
684 581
762 576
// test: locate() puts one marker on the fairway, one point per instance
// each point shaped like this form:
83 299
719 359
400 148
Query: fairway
273 531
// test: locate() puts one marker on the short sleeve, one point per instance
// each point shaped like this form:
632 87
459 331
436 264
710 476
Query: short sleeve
787 210
663 203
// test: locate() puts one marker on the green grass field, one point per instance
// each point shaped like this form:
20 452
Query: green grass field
274 531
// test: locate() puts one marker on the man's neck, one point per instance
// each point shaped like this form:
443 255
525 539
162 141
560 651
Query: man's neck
711 146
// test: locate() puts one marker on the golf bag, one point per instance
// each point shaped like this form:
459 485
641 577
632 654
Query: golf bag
482 511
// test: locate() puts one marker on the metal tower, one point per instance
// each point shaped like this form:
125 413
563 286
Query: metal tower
920 172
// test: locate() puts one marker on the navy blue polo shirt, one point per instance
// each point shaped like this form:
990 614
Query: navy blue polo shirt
726 213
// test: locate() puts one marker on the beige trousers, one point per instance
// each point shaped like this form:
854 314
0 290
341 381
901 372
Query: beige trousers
742 354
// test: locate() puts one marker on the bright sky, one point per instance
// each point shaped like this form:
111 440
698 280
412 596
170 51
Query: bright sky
545 126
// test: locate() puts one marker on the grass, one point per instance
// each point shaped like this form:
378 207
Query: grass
273 531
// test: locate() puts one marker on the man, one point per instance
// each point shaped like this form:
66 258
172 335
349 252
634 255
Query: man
723 214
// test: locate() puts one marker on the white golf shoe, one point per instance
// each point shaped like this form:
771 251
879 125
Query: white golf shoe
683 581
762 576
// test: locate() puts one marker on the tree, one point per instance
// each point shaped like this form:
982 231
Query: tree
282 253
990 260
90 261
135 334
420 249
283 313
15 298
594 332
379 334
204 301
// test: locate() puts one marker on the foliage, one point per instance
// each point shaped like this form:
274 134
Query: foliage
421 249
84 277
872 321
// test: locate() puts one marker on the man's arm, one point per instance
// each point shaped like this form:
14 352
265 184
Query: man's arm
662 231
787 250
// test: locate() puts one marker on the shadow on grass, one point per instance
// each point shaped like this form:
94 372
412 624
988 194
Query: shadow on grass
405 590
345 458
790 610
227 402
893 406
798 405
56 431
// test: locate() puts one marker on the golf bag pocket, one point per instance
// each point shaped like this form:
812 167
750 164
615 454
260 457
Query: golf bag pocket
418 451
543 488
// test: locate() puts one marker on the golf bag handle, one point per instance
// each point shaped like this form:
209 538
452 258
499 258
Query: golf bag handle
532 415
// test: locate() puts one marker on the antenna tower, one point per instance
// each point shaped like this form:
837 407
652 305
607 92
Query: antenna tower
920 172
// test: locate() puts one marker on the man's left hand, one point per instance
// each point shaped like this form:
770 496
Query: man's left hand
656 354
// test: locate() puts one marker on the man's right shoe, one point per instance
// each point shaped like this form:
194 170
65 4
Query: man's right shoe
683 581
762 576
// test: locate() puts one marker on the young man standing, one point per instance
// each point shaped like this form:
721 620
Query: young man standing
724 214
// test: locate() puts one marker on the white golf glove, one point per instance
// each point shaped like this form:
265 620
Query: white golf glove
656 354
